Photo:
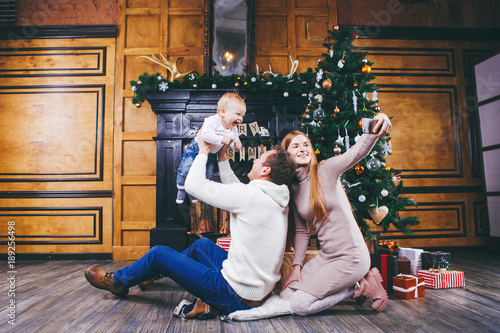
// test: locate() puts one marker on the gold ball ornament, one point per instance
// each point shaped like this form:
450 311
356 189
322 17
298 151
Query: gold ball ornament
336 110
327 84
387 168
355 85
337 151
359 169
366 69
317 152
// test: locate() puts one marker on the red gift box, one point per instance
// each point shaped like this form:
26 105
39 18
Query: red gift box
408 286
224 242
444 279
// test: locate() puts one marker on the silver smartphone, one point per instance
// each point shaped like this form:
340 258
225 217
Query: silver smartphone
368 124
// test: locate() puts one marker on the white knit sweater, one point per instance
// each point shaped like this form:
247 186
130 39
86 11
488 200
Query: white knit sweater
258 226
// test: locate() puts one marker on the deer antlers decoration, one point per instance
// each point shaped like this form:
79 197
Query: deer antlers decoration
169 65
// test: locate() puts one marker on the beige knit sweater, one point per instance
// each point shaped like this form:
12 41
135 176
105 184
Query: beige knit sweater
258 224
343 259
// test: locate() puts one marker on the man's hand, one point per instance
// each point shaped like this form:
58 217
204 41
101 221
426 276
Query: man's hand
204 147
296 275
382 126
223 153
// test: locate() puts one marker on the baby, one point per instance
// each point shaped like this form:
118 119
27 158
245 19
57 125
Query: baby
219 129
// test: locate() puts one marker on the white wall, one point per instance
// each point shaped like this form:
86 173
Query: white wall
488 92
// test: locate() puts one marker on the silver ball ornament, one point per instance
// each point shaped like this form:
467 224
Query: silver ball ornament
373 164
319 114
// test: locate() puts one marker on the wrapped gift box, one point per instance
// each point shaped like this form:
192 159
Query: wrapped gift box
415 258
436 259
404 266
444 279
387 247
387 266
224 242
408 286
286 267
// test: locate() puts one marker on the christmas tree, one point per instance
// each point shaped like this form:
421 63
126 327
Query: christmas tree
341 97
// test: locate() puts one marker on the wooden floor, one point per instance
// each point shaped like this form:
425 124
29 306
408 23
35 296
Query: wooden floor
53 296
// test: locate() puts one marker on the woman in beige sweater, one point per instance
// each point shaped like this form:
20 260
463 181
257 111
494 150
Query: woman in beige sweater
341 269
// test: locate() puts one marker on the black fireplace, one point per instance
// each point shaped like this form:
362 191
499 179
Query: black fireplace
180 113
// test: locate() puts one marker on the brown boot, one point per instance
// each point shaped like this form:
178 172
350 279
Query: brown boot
102 279
146 284
371 287
194 310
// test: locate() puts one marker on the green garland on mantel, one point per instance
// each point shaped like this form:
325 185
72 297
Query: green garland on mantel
294 84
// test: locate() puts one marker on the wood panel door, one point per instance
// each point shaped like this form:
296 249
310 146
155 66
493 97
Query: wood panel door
56 139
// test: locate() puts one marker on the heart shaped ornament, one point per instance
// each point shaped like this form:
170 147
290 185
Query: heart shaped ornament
379 214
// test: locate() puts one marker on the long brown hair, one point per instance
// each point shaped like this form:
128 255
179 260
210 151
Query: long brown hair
316 194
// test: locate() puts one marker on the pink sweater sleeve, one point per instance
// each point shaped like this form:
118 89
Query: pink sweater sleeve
302 236
342 163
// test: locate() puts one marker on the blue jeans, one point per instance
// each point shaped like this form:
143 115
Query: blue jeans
187 160
196 269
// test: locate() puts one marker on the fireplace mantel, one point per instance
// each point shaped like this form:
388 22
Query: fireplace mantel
180 113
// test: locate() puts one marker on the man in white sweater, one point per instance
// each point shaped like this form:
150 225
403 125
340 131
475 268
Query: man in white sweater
244 276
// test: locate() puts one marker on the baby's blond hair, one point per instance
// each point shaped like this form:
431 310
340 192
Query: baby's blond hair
228 97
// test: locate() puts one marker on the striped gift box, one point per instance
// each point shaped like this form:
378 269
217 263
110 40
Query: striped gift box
224 242
448 279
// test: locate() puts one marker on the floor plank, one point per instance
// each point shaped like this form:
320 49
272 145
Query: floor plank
53 296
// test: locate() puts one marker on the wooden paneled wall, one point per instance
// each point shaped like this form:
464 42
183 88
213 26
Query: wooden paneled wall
77 180
56 125
426 85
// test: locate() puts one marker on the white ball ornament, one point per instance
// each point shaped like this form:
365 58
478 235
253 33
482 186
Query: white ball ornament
253 79
214 86
285 94
384 192
362 198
